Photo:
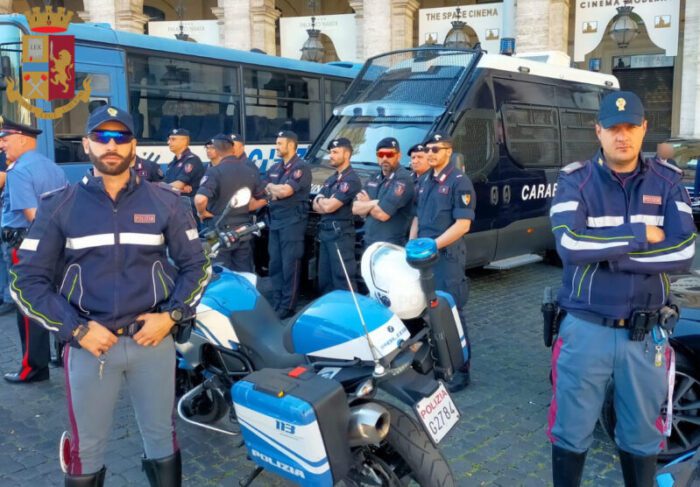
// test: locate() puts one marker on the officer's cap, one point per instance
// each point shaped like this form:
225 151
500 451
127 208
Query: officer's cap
222 138
8 127
340 142
288 134
417 148
237 138
181 132
439 137
388 143
620 107
107 113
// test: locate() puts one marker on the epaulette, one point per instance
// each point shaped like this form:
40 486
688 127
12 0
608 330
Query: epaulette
53 192
669 166
573 167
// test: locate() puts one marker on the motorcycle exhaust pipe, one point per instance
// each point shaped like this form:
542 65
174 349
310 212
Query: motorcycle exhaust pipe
369 424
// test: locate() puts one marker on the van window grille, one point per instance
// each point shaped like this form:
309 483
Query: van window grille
532 135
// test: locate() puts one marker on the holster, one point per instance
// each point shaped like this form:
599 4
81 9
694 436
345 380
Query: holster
13 236
552 315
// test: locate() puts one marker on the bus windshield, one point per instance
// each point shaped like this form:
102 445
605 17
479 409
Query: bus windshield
10 56
399 95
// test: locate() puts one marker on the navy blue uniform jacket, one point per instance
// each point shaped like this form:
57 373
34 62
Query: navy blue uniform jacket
599 222
109 256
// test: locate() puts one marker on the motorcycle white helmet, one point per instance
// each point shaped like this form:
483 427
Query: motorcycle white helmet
391 281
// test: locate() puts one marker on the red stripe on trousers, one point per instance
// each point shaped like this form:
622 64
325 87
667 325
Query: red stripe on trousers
552 415
26 369
75 467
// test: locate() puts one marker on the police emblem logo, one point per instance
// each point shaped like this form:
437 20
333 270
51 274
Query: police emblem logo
280 134
175 131
144 218
649 199
112 111
204 180
188 168
297 174
437 137
344 187
399 189
466 199
621 102
335 143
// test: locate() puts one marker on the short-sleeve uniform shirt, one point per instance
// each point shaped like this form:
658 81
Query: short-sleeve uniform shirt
395 196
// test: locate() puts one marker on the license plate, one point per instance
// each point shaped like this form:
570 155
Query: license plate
437 413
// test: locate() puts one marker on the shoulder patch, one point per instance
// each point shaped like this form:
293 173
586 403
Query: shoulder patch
53 192
573 167
669 166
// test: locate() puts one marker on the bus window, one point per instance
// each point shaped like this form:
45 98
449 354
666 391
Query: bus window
334 90
474 139
167 93
10 58
70 128
281 101
578 130
532 135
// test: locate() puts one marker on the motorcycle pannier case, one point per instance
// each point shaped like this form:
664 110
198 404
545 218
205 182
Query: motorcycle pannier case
295 424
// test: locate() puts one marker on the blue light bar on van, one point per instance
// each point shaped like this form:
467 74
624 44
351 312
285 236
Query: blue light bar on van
388 109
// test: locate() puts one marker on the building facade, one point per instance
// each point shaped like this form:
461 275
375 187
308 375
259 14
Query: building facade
665 74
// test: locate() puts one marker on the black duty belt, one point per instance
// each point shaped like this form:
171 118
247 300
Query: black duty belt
651 317
334 224
128 330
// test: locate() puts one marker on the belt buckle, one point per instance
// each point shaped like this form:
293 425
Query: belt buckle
620 323
120 331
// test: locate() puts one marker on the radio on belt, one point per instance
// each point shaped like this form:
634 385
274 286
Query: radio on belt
295 423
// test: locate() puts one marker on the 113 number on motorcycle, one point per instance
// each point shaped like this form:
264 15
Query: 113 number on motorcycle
438 413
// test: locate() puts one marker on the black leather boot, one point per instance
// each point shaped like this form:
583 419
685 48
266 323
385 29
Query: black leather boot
567 467
96 479
638 471
164 472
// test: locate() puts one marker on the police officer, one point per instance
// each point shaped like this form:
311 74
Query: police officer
620 223
215 191
288 184
30 174
336 231
7 304
386 201
118 299
212 155
185 170
148 170
239 151
419 161
445 211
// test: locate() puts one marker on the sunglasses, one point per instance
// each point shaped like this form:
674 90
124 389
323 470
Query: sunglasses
435 150
388 154
104 136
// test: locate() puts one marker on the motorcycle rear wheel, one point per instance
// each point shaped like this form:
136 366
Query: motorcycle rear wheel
407 454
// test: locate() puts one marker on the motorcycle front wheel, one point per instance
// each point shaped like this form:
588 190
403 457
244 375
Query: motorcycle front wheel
405 454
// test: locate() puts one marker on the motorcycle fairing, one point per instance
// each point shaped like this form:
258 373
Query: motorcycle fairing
330 328
457 323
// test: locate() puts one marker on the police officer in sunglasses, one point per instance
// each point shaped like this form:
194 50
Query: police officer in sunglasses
95 270
386 201
29 174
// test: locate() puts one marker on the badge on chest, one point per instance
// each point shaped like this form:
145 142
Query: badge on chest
444 190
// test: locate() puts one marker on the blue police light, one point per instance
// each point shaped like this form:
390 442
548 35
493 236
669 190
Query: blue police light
594 64
421 250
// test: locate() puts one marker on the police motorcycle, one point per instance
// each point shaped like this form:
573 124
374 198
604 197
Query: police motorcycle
303 394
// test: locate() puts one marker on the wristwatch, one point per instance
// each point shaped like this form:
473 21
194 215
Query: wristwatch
79 332
176 314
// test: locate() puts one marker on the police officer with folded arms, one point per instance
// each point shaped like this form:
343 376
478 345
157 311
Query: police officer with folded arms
386 202
215 191
110 238
620 224
148 170
29 174
288 184
336 230
445 212
185 170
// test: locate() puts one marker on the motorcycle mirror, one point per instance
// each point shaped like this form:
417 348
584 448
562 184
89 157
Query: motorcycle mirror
240 198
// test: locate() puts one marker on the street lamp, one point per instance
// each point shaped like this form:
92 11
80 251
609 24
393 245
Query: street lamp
625 28
312 50
458 36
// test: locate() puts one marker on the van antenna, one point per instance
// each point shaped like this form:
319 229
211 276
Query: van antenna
379 369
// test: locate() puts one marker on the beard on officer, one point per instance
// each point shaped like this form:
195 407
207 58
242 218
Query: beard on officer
620 224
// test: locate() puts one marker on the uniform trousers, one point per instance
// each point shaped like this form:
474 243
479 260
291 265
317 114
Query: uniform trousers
585 357
286 249
330 270
149 375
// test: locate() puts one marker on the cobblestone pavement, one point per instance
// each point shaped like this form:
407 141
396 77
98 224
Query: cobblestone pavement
500 441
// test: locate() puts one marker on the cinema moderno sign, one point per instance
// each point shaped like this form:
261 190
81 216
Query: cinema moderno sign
661 19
